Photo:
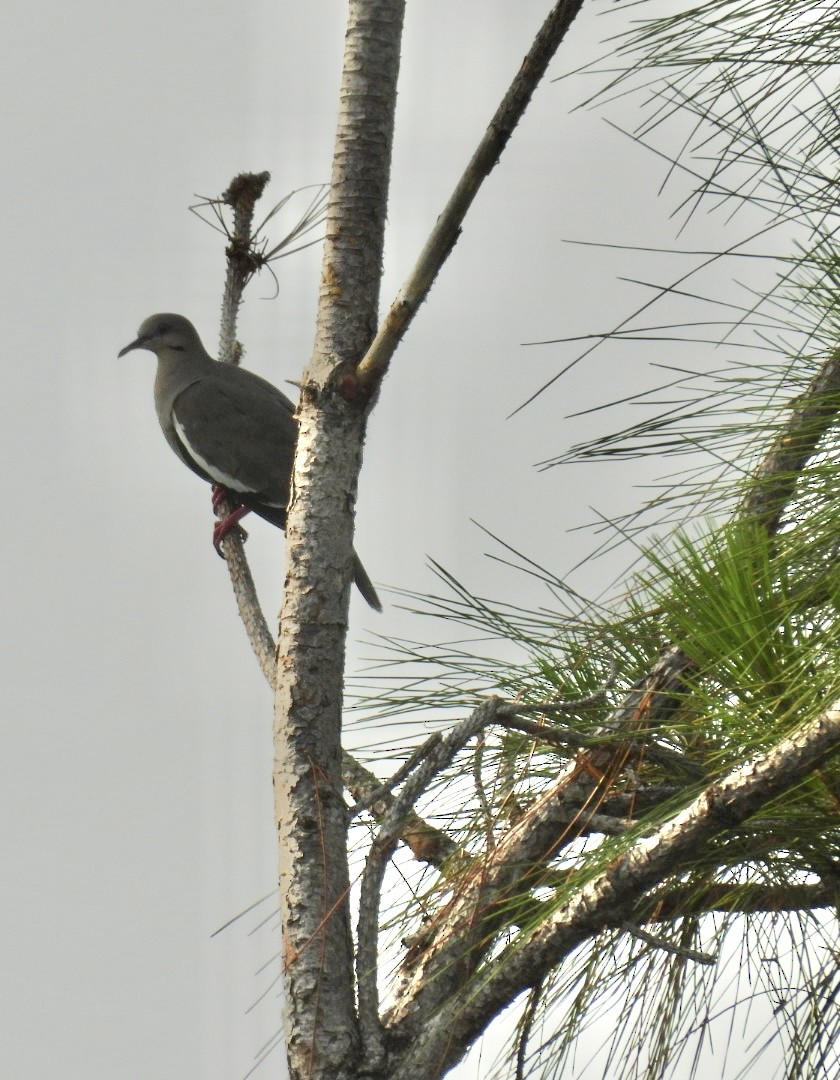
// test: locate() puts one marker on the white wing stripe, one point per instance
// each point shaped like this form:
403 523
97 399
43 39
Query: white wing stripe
216 474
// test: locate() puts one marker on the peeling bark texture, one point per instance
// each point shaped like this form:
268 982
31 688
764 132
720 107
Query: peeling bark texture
321 1027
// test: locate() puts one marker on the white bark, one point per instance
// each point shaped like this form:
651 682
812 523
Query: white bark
321 1025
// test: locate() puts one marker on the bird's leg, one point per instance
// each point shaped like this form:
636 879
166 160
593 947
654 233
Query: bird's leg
226 525
218 494
230 521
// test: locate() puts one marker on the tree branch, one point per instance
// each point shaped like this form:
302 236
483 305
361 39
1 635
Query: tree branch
448 227
601 902
677 901
439 756
426 842
242 195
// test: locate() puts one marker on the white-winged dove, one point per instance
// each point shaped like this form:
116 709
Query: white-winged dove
233 428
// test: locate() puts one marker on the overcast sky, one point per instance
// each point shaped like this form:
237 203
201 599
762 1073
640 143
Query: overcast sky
136 769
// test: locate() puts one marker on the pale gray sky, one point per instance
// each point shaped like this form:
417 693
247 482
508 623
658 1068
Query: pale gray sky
135 774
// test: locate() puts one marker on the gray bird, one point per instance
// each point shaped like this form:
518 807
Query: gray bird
231 427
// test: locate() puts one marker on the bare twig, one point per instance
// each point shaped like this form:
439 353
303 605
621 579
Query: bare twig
525 1025
481 795
241 195
425 842
250 611
668 946
402 772
553 705
258 255
448 227
380 854
436 761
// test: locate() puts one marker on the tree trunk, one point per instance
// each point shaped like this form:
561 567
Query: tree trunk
321 1026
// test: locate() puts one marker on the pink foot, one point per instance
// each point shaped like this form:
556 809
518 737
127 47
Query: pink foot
229 522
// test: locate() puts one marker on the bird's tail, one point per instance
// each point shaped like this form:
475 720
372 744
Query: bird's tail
364 584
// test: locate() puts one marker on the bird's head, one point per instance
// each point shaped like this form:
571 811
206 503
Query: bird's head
165 332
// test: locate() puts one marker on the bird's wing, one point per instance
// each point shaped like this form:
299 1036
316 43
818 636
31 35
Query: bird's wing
239 431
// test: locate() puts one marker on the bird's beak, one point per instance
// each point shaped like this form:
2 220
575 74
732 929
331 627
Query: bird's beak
138 343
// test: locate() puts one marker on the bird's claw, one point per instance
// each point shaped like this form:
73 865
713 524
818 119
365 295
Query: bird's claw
230 522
